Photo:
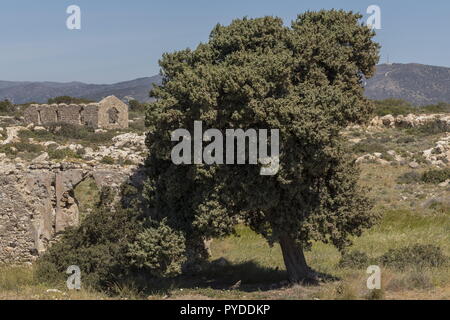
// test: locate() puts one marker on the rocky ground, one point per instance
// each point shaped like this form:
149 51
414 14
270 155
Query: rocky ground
33 145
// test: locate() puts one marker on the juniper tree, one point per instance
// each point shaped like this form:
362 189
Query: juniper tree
305 80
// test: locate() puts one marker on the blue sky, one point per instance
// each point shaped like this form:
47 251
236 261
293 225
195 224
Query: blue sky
123 40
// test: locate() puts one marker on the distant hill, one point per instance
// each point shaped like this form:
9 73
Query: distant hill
23 92
416 83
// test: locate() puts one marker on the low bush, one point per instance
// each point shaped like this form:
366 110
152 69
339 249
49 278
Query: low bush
393 106
430 128
397 107
369 146
27 150
409 178
108 160
98 246
6 107
414 256
61 154
436 176
354 259
64 133
68 100
114 247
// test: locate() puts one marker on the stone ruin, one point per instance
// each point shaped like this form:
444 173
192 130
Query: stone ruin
39 202
109 113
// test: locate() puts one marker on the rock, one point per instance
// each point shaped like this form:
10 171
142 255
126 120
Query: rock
388 120
383 162
13 134
43 157
53 291
355 140
413 165
377 154
445 183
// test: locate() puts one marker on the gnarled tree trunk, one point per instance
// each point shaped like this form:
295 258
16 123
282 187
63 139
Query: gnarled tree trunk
294 259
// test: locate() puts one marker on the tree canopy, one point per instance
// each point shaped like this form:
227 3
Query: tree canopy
306 81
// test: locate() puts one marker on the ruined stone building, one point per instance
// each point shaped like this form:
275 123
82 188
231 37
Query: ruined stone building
37 203
109 113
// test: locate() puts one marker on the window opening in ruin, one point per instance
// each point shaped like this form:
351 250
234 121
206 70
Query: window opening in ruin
80 117
113 115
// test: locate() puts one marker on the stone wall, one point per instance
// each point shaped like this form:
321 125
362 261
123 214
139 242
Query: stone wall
110 113
38 202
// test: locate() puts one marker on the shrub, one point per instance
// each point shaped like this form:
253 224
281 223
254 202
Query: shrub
108 160
405 140
98 246
68 100
158 249
61 154
354 259
28 150
436 176
402 107
409 177
6 107
66 132
393 106
417 255
115 246
430 128
368 146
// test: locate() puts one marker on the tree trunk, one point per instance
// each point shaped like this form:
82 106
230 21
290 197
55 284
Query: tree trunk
294 260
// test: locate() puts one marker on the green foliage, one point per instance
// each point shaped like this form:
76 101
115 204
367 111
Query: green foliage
354 259
98 246
6 107
436 176
394 107
61 154
397 107
63 132
409 177
114 247
416 256
68 100
369 146
23 149
108 160
158 249
136 106
304 80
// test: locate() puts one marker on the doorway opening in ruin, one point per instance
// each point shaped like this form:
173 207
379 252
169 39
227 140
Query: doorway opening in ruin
87 196
113 115
39 119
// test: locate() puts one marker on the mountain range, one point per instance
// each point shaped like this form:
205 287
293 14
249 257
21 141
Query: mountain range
40 92
417 83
